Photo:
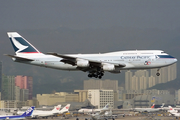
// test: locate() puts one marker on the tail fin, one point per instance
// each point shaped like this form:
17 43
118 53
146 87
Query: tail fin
20 44
66 108
106 107
162 105
56 108
153 106
28 112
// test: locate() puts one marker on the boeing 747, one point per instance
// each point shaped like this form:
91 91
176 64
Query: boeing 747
94 64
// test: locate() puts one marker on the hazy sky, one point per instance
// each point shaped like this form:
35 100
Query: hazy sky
79 14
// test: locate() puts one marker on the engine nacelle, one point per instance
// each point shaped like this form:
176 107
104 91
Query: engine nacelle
108 67
82 63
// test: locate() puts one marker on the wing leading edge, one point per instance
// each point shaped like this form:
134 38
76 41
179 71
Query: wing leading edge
72 60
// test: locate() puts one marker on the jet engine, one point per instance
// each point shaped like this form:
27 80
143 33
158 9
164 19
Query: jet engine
108 67
82 63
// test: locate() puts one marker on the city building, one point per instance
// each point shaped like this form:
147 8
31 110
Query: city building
177 96
100 97
144 101
12 104
25 82
101 84
53 99
83 95
128 80
166 74
130 94
141 79
8 88
24 94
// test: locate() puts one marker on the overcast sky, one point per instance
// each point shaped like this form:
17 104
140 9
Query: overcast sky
80 14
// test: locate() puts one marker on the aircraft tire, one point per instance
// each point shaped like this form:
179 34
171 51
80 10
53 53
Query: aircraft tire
158 74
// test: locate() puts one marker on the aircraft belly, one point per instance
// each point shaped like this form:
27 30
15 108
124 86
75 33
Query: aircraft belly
54 65
60 65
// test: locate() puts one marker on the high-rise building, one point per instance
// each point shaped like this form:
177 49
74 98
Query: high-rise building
24 94
140 80
25 82
166 74
8 88
128 80
101 84
152 81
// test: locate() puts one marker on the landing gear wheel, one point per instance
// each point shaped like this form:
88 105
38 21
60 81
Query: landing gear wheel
90 75
158 74
96 74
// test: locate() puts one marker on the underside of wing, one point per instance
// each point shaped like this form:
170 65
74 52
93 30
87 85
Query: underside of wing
82 62
18 59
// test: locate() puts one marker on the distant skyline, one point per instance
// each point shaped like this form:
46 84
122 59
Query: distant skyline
86 27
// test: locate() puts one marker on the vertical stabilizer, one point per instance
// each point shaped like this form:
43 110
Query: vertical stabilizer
28 112
65 109
20 44
56 108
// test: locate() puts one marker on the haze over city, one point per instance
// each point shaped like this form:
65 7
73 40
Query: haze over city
86 27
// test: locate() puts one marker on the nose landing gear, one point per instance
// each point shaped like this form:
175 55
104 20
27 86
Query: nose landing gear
158 74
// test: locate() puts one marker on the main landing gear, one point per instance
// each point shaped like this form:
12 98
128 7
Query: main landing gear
97 74
158 74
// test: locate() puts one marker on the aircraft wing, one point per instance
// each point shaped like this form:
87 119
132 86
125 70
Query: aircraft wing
72 60
19 58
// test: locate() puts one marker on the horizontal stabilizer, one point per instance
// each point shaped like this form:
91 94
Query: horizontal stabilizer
19 58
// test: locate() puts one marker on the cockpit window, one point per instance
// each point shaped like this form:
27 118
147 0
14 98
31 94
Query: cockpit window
165 56
163 52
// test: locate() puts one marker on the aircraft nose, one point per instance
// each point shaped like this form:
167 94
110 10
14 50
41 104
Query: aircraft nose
175 60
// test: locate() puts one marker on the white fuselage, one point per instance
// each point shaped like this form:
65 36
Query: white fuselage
138 59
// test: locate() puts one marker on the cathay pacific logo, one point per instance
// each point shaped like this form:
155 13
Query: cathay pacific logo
18 45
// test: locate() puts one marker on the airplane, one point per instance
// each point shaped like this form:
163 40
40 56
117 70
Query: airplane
152 109
25 115
94 110
174 112
109 115
94 64
44 114
104 115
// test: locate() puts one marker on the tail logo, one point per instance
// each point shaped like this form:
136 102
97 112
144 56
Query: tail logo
107 106
18 45
67 107
28 111
57 108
